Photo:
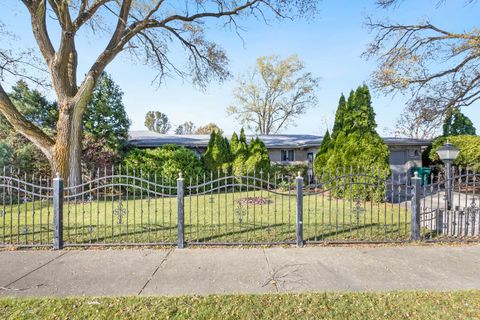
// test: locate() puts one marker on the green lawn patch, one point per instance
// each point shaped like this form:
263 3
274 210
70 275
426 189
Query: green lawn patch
215 217
390 305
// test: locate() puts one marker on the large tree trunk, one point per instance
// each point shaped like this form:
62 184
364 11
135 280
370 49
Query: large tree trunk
76 132
60 159
75 150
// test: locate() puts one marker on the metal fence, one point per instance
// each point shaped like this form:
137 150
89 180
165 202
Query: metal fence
26 209
122 206
450 206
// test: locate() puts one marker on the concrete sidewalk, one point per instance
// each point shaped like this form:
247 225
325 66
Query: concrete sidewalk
236 270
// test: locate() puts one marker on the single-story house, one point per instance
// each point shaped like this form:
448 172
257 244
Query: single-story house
405 153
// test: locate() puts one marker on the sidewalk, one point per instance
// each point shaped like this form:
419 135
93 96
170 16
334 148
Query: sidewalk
237 270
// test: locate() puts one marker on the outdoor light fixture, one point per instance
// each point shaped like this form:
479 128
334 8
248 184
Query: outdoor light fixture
448 153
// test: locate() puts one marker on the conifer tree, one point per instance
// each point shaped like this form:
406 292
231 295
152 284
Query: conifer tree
456 124
348 120
226 149
363 115
218 156
322 155
325 142
242 137
234 144
258 158
239 153
339 115
353 144
208 157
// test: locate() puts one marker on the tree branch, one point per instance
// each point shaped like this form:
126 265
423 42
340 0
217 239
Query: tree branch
86 14
437 66
197 16
25 127
37 9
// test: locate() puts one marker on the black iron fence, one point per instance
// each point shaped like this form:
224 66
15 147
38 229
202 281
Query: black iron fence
121 206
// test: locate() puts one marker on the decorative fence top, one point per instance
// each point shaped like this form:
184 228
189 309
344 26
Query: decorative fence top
125 206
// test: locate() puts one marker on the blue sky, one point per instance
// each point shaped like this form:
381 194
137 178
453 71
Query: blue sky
330 45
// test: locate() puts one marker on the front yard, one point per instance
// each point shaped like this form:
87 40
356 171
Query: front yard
215 217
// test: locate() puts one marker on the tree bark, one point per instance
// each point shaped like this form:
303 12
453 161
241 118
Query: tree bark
76 133
60 157
75 153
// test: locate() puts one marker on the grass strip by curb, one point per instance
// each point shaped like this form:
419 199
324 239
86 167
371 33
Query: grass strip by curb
387 305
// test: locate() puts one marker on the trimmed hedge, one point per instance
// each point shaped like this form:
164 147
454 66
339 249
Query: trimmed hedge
166 161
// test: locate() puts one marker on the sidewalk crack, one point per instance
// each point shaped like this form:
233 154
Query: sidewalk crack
154 272
270 272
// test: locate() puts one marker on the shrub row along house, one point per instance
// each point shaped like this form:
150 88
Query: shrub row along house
405 153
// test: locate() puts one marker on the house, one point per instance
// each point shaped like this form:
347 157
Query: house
405 153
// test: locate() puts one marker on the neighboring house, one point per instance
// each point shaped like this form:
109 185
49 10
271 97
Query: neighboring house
405 153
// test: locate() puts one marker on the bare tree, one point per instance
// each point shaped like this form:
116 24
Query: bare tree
208 129
157 121
418 123
144 28
274 94
185 128
437 68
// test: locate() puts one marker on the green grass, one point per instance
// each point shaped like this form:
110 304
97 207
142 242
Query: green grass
391 305
215 218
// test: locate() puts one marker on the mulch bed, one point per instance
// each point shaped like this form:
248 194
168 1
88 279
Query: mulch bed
254 201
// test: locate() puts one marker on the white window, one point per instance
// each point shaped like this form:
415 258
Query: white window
288 155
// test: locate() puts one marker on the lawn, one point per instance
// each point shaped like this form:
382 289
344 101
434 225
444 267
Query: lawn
214 217
389 305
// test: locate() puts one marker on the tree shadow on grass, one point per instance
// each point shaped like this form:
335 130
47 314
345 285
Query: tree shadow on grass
365 232
145 233
246 234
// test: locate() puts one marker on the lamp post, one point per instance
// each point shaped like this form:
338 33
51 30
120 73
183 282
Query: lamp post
448 153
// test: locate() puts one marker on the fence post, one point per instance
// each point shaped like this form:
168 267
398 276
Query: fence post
299 212
180 212
439 221
57 213
415 207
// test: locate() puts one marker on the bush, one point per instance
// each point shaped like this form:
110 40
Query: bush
97 154
289 170
469 146
167 161
258 158
354 145
20 154
356 154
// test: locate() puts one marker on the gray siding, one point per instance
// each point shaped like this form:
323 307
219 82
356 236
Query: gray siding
405 153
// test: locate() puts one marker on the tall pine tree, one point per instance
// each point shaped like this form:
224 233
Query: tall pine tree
233 144
239 152
339 116
325 142
218 156
354 143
